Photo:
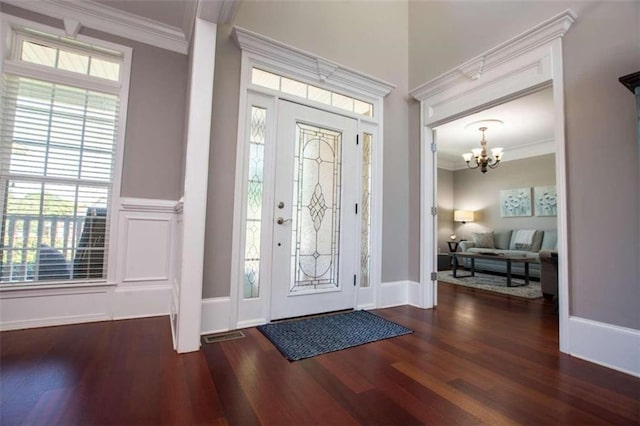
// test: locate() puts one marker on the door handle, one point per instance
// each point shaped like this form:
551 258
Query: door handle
280 220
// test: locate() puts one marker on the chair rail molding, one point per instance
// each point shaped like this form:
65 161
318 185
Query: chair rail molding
525 63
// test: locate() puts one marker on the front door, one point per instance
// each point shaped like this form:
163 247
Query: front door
314 241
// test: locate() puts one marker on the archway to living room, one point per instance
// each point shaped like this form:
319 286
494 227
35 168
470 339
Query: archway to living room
523 65
503 217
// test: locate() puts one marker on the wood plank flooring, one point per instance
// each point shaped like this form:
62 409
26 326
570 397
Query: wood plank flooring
476 359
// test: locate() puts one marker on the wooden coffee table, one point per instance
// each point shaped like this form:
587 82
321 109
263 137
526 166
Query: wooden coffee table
505 258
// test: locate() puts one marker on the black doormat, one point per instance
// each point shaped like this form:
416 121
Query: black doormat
305 338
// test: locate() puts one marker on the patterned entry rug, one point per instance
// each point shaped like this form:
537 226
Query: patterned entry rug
305 338
494 283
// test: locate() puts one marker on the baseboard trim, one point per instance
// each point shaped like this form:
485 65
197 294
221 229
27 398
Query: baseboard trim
605 344
395 293
215 315
140 302
52 321
413 294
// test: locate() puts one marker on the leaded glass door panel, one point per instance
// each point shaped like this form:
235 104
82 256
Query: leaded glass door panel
315 220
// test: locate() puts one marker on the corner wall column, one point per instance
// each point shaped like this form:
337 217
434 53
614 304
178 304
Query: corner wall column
195 186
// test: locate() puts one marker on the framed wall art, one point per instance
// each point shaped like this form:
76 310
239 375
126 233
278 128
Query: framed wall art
515 202
545 200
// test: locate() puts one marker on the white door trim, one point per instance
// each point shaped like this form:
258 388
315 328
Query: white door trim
288 61
523 64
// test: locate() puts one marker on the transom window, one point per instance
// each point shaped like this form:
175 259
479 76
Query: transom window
71 58
307 91
58 140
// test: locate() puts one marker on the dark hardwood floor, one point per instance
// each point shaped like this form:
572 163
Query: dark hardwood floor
476 359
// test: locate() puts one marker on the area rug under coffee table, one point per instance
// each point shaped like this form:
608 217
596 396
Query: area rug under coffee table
304 338
494 283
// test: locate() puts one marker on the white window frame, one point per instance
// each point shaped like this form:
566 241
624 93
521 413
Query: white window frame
10 27
286 61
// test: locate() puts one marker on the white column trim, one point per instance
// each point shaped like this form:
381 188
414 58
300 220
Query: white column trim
195 186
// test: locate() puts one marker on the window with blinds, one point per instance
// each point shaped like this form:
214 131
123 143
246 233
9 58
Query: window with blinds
57 154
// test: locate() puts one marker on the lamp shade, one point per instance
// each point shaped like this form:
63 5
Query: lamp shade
463 216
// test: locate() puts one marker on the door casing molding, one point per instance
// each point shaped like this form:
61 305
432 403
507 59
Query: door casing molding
279 58
521 65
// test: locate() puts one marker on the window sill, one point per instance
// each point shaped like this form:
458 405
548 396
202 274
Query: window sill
52 285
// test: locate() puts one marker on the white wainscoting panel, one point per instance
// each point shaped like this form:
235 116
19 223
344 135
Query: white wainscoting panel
145 252
393 294
605 344
146 246
215 315
45 307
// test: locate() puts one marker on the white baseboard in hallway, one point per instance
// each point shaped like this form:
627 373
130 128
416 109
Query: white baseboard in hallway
605 344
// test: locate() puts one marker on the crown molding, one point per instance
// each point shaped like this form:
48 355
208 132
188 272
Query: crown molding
104 18
310 65
474 69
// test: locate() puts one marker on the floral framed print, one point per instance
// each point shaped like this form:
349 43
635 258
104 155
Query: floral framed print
545 200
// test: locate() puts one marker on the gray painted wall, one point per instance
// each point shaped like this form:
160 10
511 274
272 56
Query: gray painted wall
602 152
481 193
355 34
155 121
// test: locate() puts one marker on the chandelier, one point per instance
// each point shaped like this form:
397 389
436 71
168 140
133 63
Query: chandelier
478 157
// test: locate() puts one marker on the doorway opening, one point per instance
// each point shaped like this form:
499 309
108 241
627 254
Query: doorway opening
522 65
503 220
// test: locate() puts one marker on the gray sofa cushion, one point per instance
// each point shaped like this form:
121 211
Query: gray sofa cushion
536 242
484 240
501 239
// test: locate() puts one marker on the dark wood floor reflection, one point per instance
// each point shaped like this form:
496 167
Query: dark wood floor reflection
476 359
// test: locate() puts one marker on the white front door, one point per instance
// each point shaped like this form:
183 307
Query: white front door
314 241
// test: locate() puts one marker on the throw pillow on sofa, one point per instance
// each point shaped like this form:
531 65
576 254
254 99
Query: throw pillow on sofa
483 240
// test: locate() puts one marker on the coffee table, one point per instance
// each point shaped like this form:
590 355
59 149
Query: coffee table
505 258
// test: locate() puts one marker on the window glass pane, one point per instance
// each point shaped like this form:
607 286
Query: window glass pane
73 62
255 181
265 79
342 102
315 239
319 95
54 227
38 54
105 69
365 217
294 87
363 108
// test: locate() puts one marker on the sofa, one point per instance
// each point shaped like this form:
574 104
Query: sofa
526 243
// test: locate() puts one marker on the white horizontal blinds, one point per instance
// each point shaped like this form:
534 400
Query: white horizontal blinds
56 166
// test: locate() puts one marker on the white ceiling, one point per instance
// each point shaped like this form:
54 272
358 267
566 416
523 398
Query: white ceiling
527 131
